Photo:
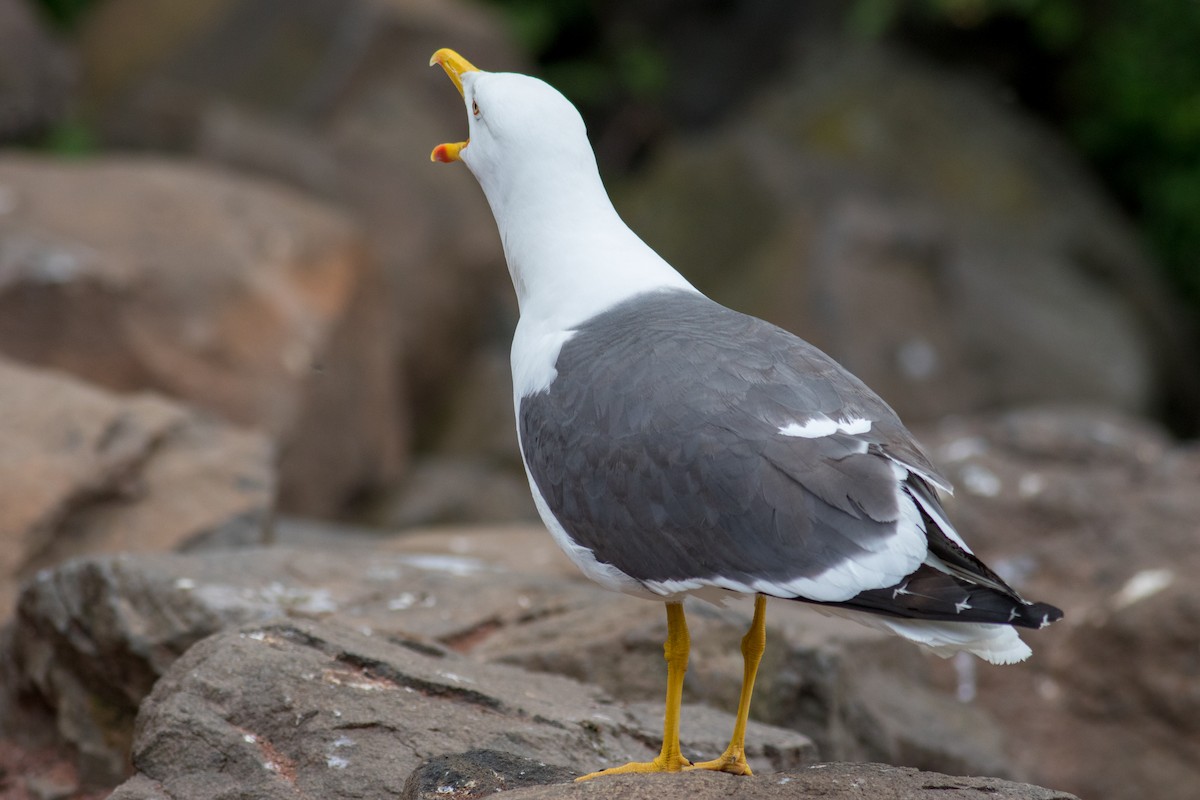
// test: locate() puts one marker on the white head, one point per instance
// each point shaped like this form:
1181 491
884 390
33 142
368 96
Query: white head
565 245
524 136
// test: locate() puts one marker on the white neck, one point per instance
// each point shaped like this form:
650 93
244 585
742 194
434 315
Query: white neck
569 254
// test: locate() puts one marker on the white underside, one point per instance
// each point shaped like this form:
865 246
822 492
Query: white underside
997 644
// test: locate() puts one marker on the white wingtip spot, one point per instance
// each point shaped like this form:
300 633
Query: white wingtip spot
817 427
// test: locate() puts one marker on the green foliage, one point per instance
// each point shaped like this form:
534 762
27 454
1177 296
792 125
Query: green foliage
65 14
596 65
1123 84
1137 85
70 138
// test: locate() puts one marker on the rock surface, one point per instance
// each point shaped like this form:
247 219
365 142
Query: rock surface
93 636
1098 513
322 711
837 781
86 471
235 295
1089 510
947 251
481 773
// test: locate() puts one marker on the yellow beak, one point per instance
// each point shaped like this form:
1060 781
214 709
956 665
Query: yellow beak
455 66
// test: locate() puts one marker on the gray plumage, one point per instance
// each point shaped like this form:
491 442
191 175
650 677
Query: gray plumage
658 447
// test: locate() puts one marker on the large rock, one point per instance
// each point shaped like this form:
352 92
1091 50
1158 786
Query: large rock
93 636
86 471
238 296
328 712
1090 510
830 781
502 595
334 96
1098 514
858 694
945 249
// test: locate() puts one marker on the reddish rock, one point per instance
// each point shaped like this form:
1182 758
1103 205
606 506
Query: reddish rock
237 296
86 471
336 97
1097 513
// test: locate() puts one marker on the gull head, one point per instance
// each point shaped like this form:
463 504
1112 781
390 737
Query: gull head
521 131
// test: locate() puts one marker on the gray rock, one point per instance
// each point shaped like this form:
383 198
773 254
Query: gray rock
1097 513
1088 509
945 249
822 677
325 711
479 773
445 490
93 636
836 781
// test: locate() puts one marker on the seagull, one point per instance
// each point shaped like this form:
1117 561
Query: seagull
675 447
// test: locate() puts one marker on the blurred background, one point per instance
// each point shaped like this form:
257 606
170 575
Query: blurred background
221 238
974 204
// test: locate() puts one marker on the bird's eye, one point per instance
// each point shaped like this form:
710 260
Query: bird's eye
475 108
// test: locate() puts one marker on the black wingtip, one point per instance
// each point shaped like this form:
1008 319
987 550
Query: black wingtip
1039 615
935 595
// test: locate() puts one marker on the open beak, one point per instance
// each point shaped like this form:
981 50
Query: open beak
455 66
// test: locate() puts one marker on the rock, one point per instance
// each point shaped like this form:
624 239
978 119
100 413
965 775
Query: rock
494 595
858 694
36 75
93 636
479 773
85 471
445 490
467 469
834 781
1097 513
237 296
1088 509
324 711
39 773
339 101
949 252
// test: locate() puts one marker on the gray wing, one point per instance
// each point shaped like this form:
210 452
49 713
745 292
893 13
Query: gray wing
658 447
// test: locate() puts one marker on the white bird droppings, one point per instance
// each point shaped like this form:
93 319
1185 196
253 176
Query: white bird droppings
980 480
963 448
1030 485
332 759
1146 583
452 565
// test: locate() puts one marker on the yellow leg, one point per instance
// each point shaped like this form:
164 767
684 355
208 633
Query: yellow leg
675 650
753 644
